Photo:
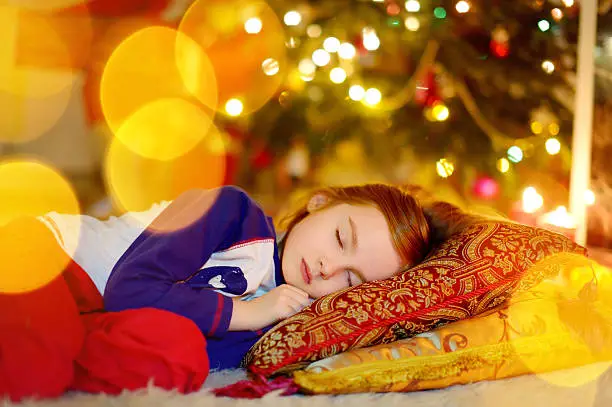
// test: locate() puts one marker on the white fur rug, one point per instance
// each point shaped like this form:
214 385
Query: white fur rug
558 389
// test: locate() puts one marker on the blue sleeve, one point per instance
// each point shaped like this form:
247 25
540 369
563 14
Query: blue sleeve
152 272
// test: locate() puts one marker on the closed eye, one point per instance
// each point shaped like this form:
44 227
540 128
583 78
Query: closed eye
338 239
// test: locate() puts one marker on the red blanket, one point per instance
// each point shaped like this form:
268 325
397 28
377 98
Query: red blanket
57 338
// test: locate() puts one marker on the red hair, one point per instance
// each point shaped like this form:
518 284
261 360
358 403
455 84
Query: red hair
410 230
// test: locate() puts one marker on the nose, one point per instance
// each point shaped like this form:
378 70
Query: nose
329 267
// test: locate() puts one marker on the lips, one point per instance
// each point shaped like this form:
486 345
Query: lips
305 272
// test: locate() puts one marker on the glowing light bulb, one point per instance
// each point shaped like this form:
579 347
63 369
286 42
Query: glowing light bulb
440 112
553 146
306 66
445 168
553 129
331 44
532 201
321 57
337 75
536 127
372 97
412 6
543 25
356 92
270 66
548 66
314 30
462 6
568 3
371 42
347 51
253 25
503 165
412 23
292 18
234 107
589 197
515 154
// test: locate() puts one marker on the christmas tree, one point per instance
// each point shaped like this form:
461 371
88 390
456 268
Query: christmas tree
477 95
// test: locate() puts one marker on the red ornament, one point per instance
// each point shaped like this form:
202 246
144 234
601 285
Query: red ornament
427 92
499 49
261 157
358 44
486 188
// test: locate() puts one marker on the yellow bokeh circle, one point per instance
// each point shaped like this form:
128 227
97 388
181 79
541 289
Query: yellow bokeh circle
241 56
151 64
30 250
49 5
136 182
165 129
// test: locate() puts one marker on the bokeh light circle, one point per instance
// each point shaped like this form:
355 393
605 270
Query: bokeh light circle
34 44
165 128
153 63
49 5
237 55
135 182
31 255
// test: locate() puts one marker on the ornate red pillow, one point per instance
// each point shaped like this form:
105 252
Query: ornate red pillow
473 271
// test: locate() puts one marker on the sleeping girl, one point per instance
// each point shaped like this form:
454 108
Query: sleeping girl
229 272
194 283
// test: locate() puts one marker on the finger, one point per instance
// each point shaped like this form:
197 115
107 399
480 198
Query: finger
296 290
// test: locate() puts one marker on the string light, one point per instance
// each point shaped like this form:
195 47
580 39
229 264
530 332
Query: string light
543 25
253 25
553 129
234 107
371 42
347 51
372 97
462 6
292 18
321 57
568 3
440 12
515 154
337 75
589 197
356 92
548 66
306 67
440 112
314 30
331 44
536 127
556 14
412 23
270 66
553 146
445 168
532 201
503 165
412 6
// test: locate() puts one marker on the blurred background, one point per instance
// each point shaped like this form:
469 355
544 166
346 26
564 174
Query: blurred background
118 104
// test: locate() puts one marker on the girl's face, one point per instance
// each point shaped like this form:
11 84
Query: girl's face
339 247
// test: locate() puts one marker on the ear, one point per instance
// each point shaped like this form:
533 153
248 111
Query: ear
317 201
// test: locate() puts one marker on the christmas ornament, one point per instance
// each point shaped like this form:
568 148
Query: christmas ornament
500 42
427 92
486 188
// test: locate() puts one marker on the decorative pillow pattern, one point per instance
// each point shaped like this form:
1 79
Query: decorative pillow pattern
474 271
549 327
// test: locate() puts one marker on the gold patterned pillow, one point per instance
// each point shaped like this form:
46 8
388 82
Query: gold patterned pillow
474 271
558 324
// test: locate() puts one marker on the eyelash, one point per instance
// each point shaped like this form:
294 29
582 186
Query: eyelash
348 273
338 239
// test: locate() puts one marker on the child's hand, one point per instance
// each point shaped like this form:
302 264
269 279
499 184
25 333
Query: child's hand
280 303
